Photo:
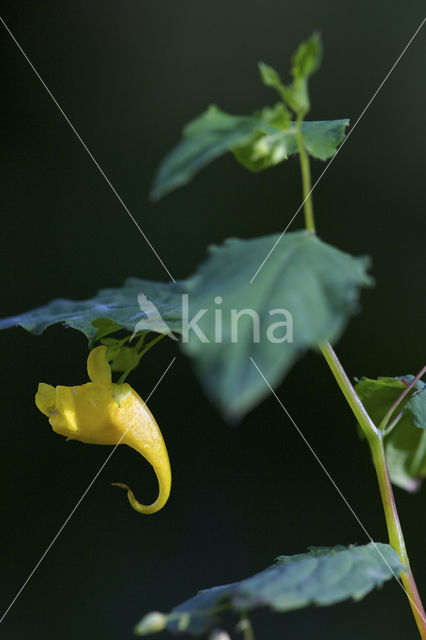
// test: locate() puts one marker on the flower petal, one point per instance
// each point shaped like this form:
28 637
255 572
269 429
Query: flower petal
98 368
142 433
45 399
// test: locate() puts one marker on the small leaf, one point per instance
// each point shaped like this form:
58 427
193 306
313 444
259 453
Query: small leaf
271 78
405 445
304 295
322 576
306 61
307 58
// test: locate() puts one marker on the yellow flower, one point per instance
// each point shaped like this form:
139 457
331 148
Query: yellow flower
101 412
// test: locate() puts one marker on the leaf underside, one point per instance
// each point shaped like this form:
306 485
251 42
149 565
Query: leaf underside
322 576
118 306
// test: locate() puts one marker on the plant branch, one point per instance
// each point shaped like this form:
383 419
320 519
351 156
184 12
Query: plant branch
373 435
375 440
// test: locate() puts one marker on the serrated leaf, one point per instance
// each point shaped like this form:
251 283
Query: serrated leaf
258 142
321 139
405 445
321 577
119 305
306 284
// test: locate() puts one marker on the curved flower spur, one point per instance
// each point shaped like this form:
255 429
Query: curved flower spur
101 412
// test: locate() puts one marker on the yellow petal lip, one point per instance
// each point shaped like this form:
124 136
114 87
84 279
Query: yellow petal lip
98 368
46 399
101 412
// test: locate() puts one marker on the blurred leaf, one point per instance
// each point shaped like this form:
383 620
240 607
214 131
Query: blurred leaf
316 285
306 61
258 142
322 576
307 58
321 139
207 137
405 445
416 407
304 295
271 78
118 306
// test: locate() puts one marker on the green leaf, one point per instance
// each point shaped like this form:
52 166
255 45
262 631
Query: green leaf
323 576
258 142
405 445
306 284
303 295
322 138
307 58
271 78
118 306
105 327
416 407
207 137
306 61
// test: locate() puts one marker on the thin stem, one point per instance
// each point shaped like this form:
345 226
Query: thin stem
308 206
397 402
373 435
369 429
396 537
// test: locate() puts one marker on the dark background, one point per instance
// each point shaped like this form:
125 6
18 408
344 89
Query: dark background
129 75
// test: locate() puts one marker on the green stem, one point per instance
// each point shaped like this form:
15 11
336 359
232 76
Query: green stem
306 178
396 537
373 435
375 440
